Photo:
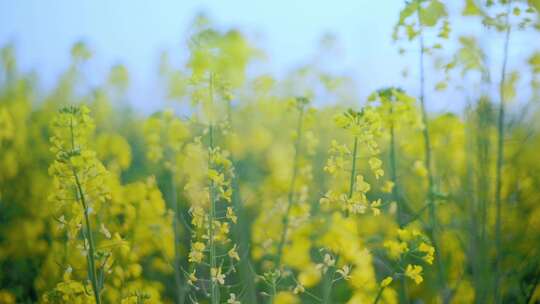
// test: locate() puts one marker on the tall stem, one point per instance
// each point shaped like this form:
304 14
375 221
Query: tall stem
241 230
428 160
353 169
180 292
478 211
327 292
214 291
328 282
290 195
92 272
500 157
393 175
379 294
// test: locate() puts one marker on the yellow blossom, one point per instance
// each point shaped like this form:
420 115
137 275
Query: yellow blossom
387 281
217 276
415 273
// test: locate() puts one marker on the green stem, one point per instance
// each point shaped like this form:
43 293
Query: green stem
214 292
353 169
92 273
393 175
290 195
379 294
180 291
327 292
214 288
274 291
500 157
480 199
241 231
428 162
328 284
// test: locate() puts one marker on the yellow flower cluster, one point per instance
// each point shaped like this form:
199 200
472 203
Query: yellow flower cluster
88 202
410 247
246 194
165 135
396 108
365 126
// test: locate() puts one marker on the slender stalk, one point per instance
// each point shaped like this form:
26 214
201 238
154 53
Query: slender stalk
180 291
393 175
428 160
500 157
480 201
327 292
241 230
290 195
472 206
353 169
328 283
214 288
379 294
92 273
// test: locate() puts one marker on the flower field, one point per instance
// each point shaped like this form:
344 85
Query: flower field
259 189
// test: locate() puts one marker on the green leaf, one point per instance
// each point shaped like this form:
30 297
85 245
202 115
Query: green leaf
471 9
441 86
433 13
535 4
408 11
445 30
411 32
534 61
509 87
470 55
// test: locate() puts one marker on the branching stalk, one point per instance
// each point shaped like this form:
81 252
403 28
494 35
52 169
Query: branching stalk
180 291
393 175
241 229
327 296
428 160
290 196
500 157
92 272
214 288
379 294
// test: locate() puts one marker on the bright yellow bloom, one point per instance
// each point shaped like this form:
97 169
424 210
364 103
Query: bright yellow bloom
233 254
429 251
415 273
192 278
375 207
231 215
196 254
387 187
387 281
395 248
217 276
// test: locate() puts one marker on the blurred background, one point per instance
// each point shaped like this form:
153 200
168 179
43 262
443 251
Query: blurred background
290 33
343 151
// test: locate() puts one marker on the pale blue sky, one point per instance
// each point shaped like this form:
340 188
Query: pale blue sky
134 32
